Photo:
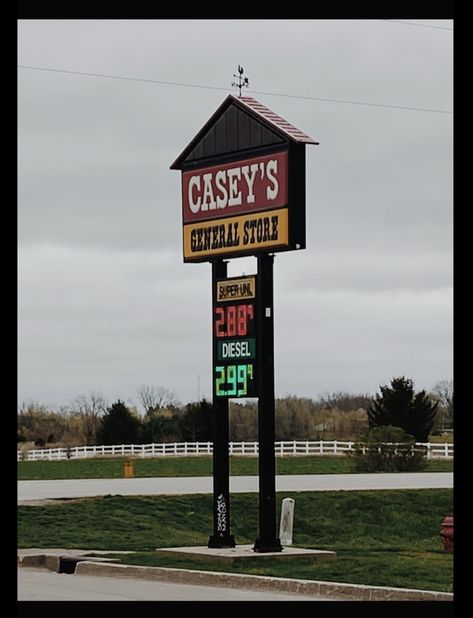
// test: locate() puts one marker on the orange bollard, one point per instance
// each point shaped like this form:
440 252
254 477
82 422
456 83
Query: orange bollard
128 471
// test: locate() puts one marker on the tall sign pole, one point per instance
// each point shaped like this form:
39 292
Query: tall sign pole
221 473
243 194
268 540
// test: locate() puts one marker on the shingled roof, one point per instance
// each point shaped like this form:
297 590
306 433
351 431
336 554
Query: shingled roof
296 135
257 125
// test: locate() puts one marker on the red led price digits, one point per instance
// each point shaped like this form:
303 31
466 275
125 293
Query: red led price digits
233 320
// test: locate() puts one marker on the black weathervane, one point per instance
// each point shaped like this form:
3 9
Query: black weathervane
242 81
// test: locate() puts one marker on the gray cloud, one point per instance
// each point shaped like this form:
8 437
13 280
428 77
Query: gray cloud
105 301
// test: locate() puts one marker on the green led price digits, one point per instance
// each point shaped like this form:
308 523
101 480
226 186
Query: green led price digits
233 380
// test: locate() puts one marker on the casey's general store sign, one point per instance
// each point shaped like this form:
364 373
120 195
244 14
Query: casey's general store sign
219 205
243 193
243 184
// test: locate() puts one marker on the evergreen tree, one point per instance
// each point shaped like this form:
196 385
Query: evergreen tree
399 406
118 425
159 427
196 424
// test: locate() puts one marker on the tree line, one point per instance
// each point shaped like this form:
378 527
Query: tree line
90 419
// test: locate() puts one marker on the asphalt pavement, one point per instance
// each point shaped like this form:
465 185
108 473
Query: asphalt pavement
80 488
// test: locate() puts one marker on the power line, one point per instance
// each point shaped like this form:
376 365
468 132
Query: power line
132 79
293 96
411 23
273 94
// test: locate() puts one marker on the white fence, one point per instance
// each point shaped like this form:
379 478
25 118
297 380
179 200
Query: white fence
292 447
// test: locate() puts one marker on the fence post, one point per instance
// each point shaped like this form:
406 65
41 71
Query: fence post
334 447
429 450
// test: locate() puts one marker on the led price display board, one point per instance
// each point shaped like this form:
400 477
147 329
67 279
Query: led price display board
234 338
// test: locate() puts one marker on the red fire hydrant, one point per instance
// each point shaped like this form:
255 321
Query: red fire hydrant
446 532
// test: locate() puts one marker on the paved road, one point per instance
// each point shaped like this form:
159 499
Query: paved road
79 488
42 585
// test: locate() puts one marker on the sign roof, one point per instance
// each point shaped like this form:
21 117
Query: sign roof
258 126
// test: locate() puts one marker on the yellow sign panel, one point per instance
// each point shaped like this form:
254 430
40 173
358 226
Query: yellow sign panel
236 289
233 235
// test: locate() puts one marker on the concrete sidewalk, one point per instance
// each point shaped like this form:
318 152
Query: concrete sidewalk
305 588
29 491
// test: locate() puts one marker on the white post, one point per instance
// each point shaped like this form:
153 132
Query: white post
287 521
429 450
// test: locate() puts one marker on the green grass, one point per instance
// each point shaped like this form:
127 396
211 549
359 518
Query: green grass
190 466
387 538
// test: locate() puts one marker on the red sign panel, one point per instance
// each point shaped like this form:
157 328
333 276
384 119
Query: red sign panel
236 188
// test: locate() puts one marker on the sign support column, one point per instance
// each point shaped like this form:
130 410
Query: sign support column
221 469
267 541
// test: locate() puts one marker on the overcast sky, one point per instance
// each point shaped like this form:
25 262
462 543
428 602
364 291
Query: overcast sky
105 300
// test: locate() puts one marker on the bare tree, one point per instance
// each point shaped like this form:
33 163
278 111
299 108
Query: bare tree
444 391
90 407
345 402
156 397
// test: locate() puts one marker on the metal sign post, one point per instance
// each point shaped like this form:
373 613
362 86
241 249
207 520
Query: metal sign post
221 469
267 540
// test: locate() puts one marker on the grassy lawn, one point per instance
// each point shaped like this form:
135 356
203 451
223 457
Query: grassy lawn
190 466
387 538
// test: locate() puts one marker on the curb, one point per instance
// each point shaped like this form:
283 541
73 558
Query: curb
337 590
60 563
45 561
